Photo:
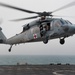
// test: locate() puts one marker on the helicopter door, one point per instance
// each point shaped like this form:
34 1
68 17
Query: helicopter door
41 30
44 28
48 27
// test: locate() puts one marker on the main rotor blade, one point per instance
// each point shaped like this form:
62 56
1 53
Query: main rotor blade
64 7
25 18
64 16
16 8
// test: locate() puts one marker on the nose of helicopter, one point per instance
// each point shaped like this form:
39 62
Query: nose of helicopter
72 29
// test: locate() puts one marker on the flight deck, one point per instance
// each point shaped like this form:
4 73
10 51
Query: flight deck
50 69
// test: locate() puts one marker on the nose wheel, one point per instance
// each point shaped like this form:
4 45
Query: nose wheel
62 41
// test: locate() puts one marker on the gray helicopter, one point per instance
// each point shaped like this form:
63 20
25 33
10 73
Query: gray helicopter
43 29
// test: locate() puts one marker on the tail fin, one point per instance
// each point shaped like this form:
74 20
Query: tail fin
2 36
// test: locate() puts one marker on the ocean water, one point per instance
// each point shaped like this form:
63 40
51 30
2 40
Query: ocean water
35 59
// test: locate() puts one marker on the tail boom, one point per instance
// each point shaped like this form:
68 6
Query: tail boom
2 37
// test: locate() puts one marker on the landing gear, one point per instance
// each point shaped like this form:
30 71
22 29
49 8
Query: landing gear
42 33
45 41
10 48
62 41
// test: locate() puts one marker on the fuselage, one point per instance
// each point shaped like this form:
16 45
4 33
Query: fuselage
57 28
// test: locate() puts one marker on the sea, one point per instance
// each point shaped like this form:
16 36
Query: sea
36 59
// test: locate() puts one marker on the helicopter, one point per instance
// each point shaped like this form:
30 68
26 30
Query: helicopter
43 29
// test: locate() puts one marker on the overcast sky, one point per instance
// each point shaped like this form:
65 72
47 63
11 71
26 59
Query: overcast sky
12 28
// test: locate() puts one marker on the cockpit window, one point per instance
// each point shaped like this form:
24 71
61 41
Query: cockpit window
62 22
65 22
68 22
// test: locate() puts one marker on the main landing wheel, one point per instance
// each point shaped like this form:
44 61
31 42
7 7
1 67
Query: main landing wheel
45 41
62 41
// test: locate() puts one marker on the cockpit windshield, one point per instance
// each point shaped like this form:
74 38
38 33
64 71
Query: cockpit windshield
68 22
63 22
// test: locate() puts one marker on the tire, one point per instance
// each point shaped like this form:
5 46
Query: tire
45 41
62 41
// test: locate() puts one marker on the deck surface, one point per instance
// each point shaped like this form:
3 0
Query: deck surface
37 70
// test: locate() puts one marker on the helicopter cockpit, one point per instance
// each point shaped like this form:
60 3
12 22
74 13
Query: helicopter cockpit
68 22
65 22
